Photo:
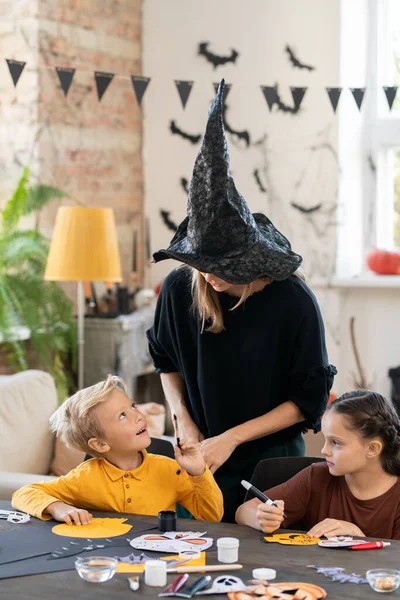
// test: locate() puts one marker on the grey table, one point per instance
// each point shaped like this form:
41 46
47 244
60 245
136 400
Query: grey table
289 561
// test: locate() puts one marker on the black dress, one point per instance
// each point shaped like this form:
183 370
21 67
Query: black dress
272 350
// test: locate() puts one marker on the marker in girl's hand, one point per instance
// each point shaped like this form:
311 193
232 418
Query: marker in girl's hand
178 439
259 494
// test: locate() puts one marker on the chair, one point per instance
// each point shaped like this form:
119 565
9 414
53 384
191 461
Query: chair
271 472
160 446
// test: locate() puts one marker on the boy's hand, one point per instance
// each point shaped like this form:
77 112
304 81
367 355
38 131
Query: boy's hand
190 458
269 518
64 512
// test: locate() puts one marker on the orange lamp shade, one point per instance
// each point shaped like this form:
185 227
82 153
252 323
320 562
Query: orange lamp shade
84 246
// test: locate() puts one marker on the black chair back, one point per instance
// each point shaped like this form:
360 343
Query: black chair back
274 471
157 446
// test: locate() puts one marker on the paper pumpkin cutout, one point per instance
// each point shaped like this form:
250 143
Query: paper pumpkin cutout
171 542
282 591
98 528
292 539
123 567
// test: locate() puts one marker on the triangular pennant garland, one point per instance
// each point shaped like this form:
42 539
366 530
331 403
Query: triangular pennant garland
139 86
15 67
184 89
334 95
65 76
358 95
390 93
103 80
298 94
270 95
227 87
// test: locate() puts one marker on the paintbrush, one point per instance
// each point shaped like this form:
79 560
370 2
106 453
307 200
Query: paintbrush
178 439
205 568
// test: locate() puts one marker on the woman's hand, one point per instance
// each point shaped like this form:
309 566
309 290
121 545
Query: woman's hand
188 429
269 518
216 450
190 458
71 515
331 527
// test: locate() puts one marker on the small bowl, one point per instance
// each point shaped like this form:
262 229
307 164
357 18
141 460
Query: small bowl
384 580
96 569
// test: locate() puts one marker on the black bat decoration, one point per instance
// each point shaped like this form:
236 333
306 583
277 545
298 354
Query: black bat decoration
241 135
167 221
214 59
284 107
295 61
185 184
258 180
193 139
305 210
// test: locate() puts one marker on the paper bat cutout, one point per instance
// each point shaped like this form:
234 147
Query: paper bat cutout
241 135
258 180
285 107
171 542
167 221
295 61
336 573
185 184
292 539
214 59
193 139
306 210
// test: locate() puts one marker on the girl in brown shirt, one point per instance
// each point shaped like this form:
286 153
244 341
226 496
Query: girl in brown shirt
357 490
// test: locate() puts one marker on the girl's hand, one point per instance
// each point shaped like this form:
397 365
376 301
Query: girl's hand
71 515
331 527
190 458
269 518
217 450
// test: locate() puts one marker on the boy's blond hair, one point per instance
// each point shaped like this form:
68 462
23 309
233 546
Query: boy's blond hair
75 421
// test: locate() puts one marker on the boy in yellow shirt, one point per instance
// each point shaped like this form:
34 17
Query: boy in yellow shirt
103 421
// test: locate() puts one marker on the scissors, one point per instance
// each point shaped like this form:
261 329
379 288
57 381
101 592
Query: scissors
14 516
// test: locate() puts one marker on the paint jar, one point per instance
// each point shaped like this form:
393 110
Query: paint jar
155 573
228 549
166 520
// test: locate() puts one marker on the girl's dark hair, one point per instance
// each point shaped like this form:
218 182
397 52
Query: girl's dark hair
371 415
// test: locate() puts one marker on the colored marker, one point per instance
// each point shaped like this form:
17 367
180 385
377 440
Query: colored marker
259 494
370 546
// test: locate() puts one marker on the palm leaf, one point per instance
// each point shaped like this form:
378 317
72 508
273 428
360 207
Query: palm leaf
39 195
14 208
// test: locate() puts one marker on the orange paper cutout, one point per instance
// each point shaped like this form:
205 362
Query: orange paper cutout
98 528
195 562
292 539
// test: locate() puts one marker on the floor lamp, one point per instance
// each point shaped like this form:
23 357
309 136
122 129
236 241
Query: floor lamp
83 248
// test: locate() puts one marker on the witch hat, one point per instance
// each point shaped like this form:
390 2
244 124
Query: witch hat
219 234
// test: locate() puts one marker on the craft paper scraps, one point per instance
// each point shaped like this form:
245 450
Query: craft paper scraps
292 539
98 528
340 541
172 561
336 573
171 542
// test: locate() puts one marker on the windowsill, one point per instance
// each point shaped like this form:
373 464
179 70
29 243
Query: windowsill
365 280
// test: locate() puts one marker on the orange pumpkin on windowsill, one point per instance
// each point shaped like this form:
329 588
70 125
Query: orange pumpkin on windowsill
384 262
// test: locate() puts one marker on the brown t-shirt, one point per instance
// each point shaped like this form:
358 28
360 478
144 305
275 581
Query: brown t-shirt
314 495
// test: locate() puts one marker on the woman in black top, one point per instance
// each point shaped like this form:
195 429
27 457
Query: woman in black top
238 337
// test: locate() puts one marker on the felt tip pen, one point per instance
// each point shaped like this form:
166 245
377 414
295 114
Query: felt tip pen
178 439
370 546
259 494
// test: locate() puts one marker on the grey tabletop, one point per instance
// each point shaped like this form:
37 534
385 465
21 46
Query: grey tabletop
290 563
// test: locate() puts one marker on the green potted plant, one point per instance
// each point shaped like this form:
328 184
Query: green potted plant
27 301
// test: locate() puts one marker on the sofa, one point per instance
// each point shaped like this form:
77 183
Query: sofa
29 452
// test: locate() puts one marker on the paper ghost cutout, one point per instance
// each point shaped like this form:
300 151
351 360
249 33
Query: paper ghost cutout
224 584
98 528
292 539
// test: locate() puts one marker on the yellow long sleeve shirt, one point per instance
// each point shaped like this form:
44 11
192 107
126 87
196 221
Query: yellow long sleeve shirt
97 484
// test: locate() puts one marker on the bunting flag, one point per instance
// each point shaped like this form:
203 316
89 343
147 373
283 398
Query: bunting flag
184 89
358 95
15 67
390 93
139 85
270 95
227 87
334 95
298 94
65 77
103 80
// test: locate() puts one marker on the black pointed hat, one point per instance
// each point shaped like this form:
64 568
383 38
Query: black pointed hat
219 234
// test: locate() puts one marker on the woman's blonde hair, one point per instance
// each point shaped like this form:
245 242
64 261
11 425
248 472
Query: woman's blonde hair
206 300
75 421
